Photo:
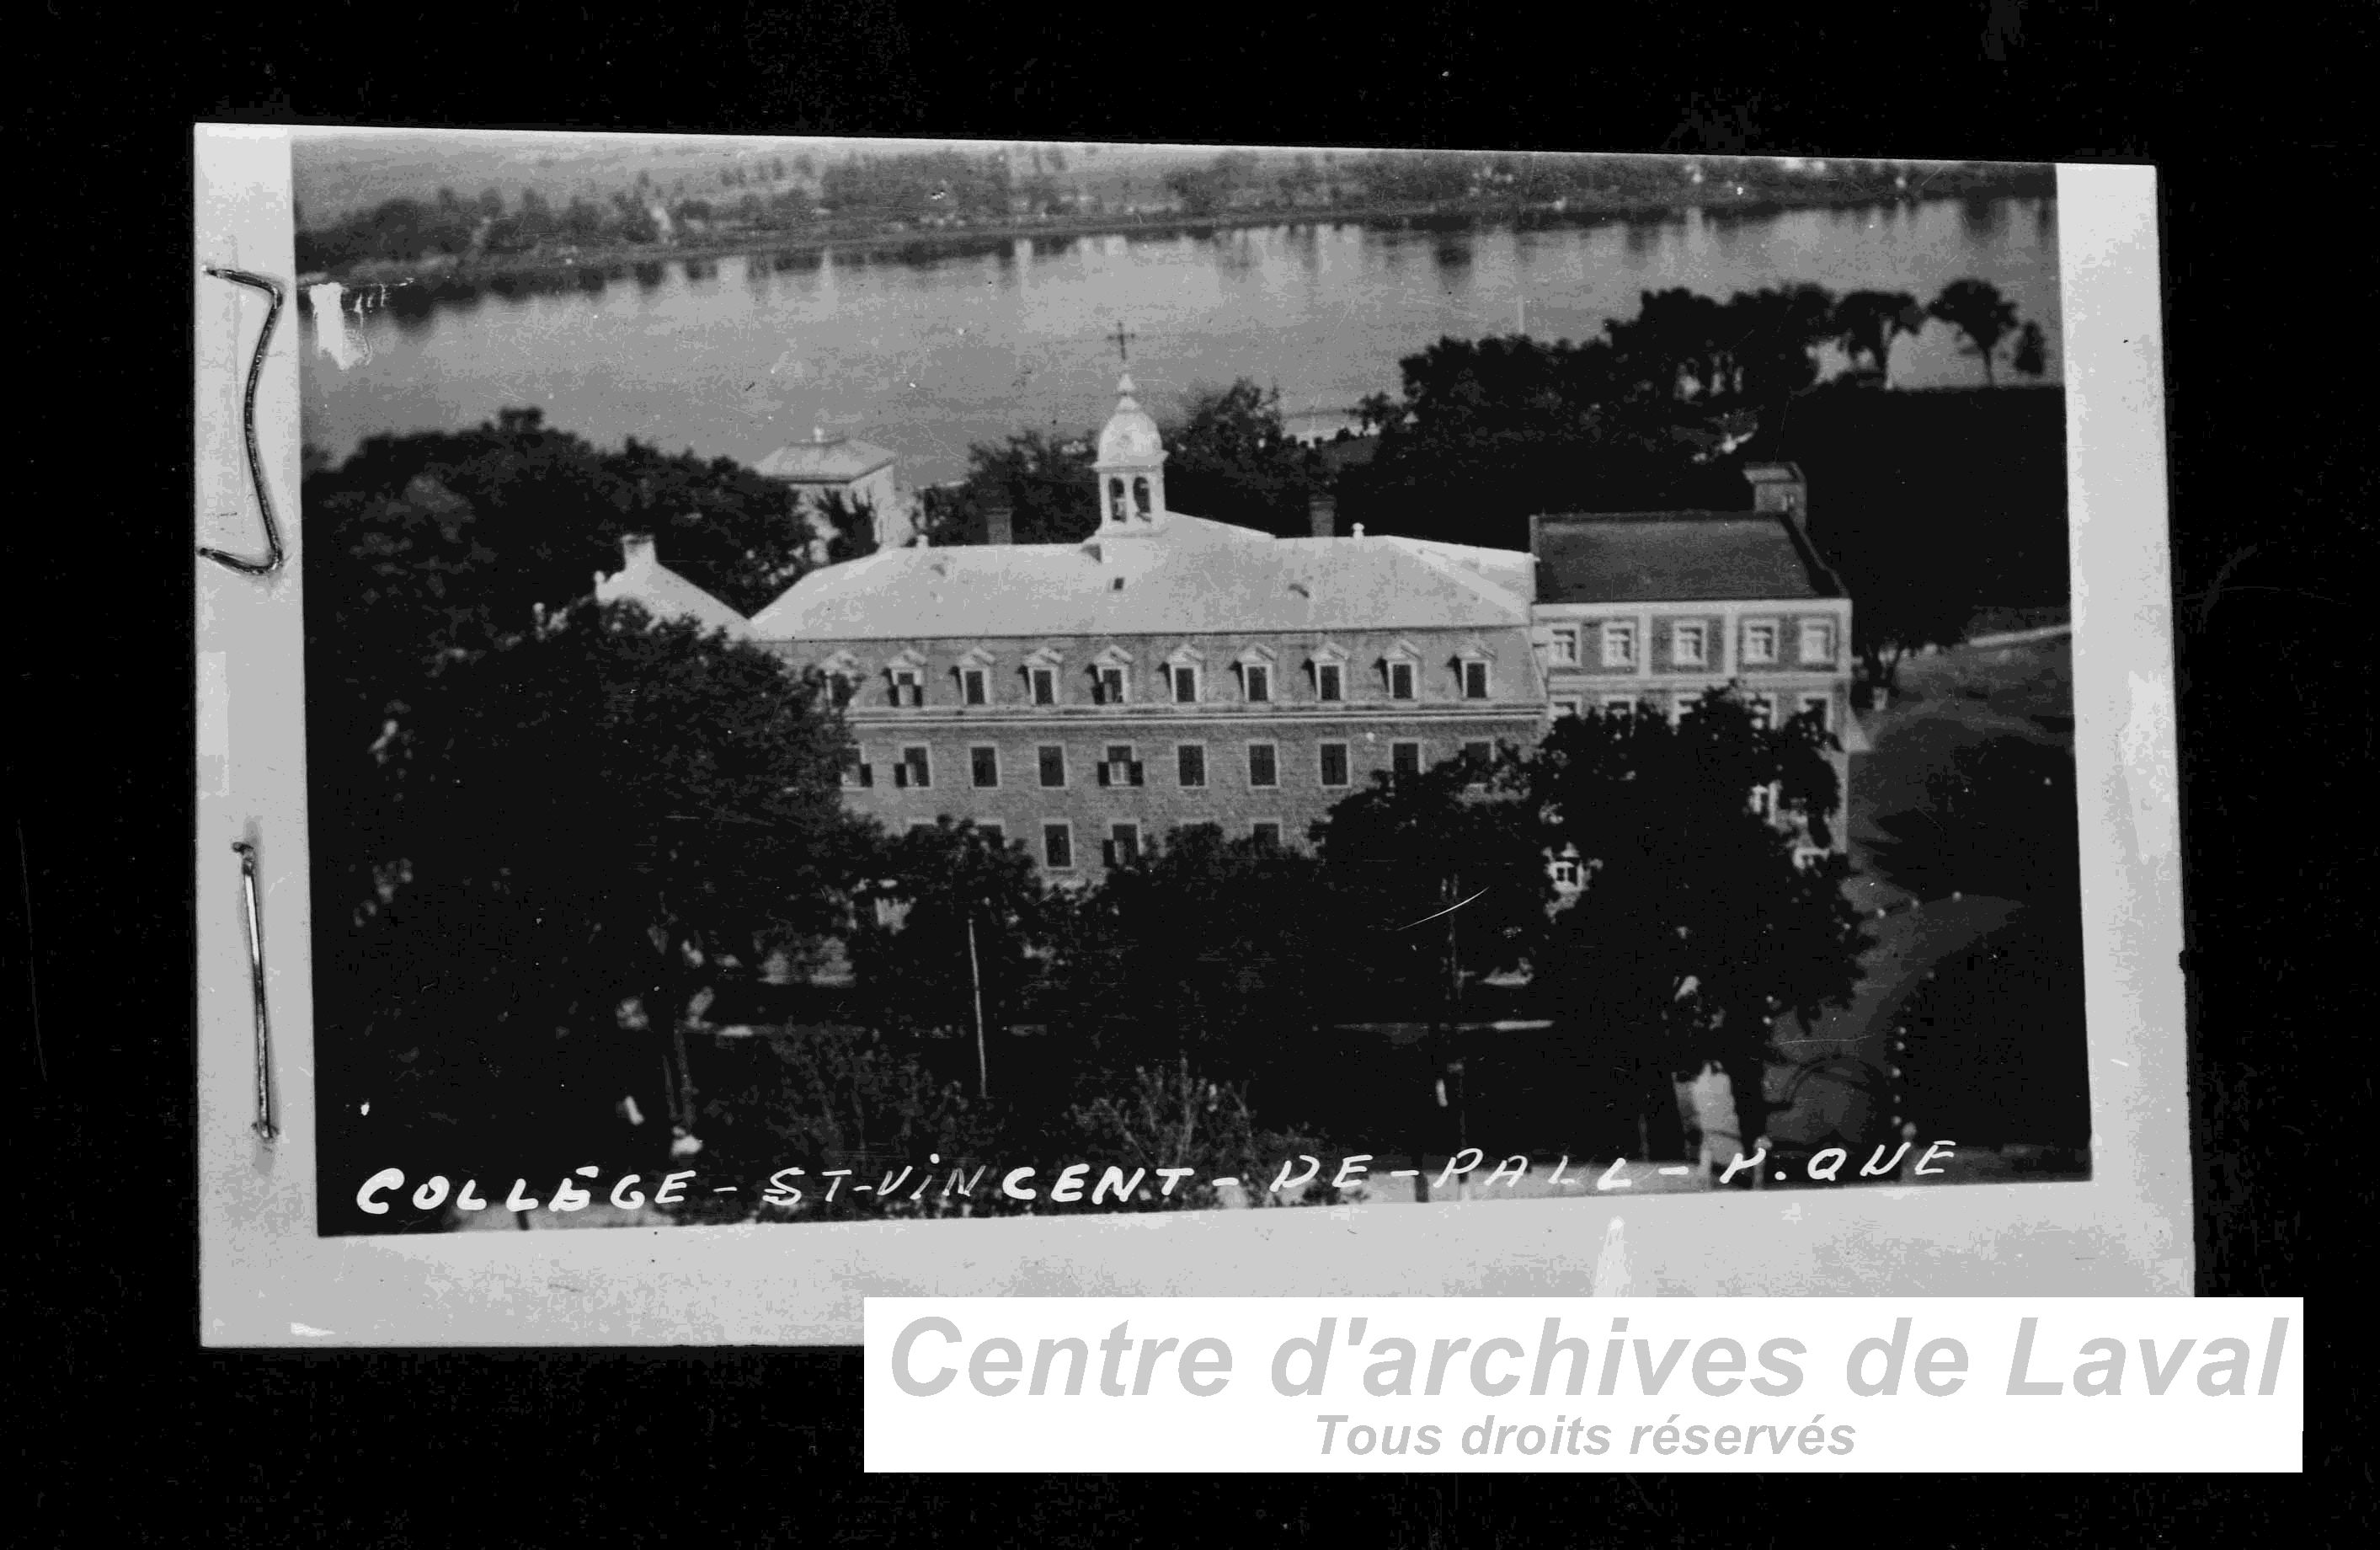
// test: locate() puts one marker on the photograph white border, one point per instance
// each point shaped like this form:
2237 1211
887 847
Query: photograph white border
268 1280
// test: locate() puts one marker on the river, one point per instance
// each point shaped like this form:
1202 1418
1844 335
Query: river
735 357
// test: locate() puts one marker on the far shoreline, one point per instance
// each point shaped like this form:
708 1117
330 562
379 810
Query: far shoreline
449 277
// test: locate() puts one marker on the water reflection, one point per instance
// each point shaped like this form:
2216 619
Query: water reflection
948 341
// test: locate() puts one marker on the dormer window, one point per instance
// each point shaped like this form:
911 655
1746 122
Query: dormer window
1474 678
1329 683
974 685
1045 685
1400 680
1259 682
841 688
909 689
1185 684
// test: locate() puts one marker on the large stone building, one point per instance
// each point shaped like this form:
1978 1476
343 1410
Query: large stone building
1652 610
1086 698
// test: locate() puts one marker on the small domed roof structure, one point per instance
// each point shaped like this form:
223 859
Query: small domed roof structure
1130 437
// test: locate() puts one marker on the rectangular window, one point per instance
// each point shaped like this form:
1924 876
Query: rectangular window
907 689
914 770
1400 680
1817 641
1109 688
1118 768
1481 754
1566 647
1263 769
1045 686
994 833
1057 846
1818 708
1759 644
1474 681
1404 758
1124 844
1327 682
1620 645
1619 705
984 764
1334 764
1686 645
1266 833
974 683
1185 686
1054 764
1565 873
841 689
1565 707
1190 765
856 770
1259 684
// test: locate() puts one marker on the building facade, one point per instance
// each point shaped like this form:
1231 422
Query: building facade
1086 698
1649 612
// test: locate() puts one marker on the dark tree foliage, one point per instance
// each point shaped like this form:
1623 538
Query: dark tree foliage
924 893
1978 310
1402 854
1931 505
1230 460
1201 947
1995 1042
529 812
565 834
1866 321
838 1097
851 525
1046 479
494 521
1697 926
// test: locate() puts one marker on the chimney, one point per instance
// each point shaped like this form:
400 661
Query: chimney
1779 490
998 520
636 550
1322 511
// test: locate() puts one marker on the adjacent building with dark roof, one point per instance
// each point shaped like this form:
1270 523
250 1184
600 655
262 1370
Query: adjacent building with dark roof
1647 612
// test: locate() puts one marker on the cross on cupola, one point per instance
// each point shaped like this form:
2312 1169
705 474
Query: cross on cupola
1123 345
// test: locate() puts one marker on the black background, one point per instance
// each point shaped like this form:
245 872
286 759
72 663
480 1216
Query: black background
140 1437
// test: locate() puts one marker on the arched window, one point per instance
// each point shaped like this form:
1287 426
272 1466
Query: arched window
1116 507
1140 493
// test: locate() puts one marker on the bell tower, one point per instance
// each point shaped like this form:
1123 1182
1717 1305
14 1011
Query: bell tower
1131 467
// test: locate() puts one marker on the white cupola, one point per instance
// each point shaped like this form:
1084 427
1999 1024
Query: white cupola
1131 467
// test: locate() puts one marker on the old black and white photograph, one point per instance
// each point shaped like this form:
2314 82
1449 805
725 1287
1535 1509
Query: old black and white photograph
852 681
